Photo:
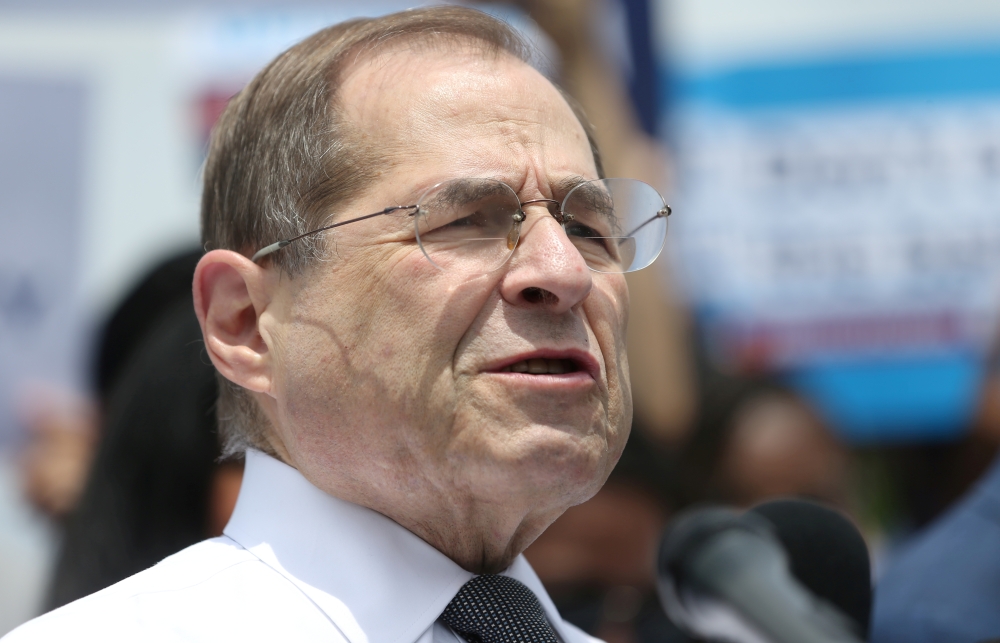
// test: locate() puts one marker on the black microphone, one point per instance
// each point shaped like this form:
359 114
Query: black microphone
826 553
724 575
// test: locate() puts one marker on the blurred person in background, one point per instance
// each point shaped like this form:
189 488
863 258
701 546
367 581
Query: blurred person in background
150 422
756 439
944 585
62 436
155 486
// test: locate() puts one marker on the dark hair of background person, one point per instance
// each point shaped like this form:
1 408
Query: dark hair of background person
148 492
166 285
923 480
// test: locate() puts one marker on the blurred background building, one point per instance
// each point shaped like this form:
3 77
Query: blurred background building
818 325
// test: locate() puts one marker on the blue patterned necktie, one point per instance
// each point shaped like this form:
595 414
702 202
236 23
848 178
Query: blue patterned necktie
498 609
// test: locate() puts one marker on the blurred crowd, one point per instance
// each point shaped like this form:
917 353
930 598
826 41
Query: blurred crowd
134 474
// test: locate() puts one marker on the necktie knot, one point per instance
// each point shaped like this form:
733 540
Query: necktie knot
498 609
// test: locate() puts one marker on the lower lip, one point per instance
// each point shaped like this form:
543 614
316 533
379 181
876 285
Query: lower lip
567 381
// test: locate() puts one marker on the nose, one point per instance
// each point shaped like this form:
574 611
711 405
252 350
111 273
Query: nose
546 270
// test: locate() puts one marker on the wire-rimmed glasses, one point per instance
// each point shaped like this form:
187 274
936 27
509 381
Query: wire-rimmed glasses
472 225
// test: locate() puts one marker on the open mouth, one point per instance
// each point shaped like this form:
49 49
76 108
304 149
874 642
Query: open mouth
540 366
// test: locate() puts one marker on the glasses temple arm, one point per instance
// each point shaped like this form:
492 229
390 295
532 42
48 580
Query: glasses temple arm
665 211
278 245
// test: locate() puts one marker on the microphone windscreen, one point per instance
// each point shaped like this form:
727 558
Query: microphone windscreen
826 553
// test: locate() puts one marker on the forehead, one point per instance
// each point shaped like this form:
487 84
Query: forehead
459 111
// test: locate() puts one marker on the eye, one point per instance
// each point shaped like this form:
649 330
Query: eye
581 231
597 249
477 219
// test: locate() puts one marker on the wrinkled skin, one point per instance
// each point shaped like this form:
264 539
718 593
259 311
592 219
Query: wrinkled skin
379 372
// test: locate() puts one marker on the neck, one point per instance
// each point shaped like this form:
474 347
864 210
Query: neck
479 541
481 536
480 528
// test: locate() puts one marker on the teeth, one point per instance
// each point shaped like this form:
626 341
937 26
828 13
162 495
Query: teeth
542 367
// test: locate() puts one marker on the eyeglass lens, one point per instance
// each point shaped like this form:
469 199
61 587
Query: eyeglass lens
473 225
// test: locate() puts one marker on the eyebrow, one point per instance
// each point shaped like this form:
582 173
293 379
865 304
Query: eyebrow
464 191
594 196
562 187
472 190
597 199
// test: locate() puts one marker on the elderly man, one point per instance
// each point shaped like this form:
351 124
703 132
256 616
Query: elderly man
414 292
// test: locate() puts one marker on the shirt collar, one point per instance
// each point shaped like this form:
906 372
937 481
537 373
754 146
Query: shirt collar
374 579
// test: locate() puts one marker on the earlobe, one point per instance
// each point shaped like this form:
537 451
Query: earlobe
230 293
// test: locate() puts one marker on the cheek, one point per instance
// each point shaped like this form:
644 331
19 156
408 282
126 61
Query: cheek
378 349
607 310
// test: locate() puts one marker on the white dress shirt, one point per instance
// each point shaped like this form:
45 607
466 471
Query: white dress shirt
294 564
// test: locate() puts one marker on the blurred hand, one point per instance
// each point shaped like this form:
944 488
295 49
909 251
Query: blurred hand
62 431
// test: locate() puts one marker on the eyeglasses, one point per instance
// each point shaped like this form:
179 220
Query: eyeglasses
472 226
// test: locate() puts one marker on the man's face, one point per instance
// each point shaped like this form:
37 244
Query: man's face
389 383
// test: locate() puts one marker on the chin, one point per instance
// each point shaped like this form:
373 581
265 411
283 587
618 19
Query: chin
566 467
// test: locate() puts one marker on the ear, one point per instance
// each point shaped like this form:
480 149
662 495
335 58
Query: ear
230 293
